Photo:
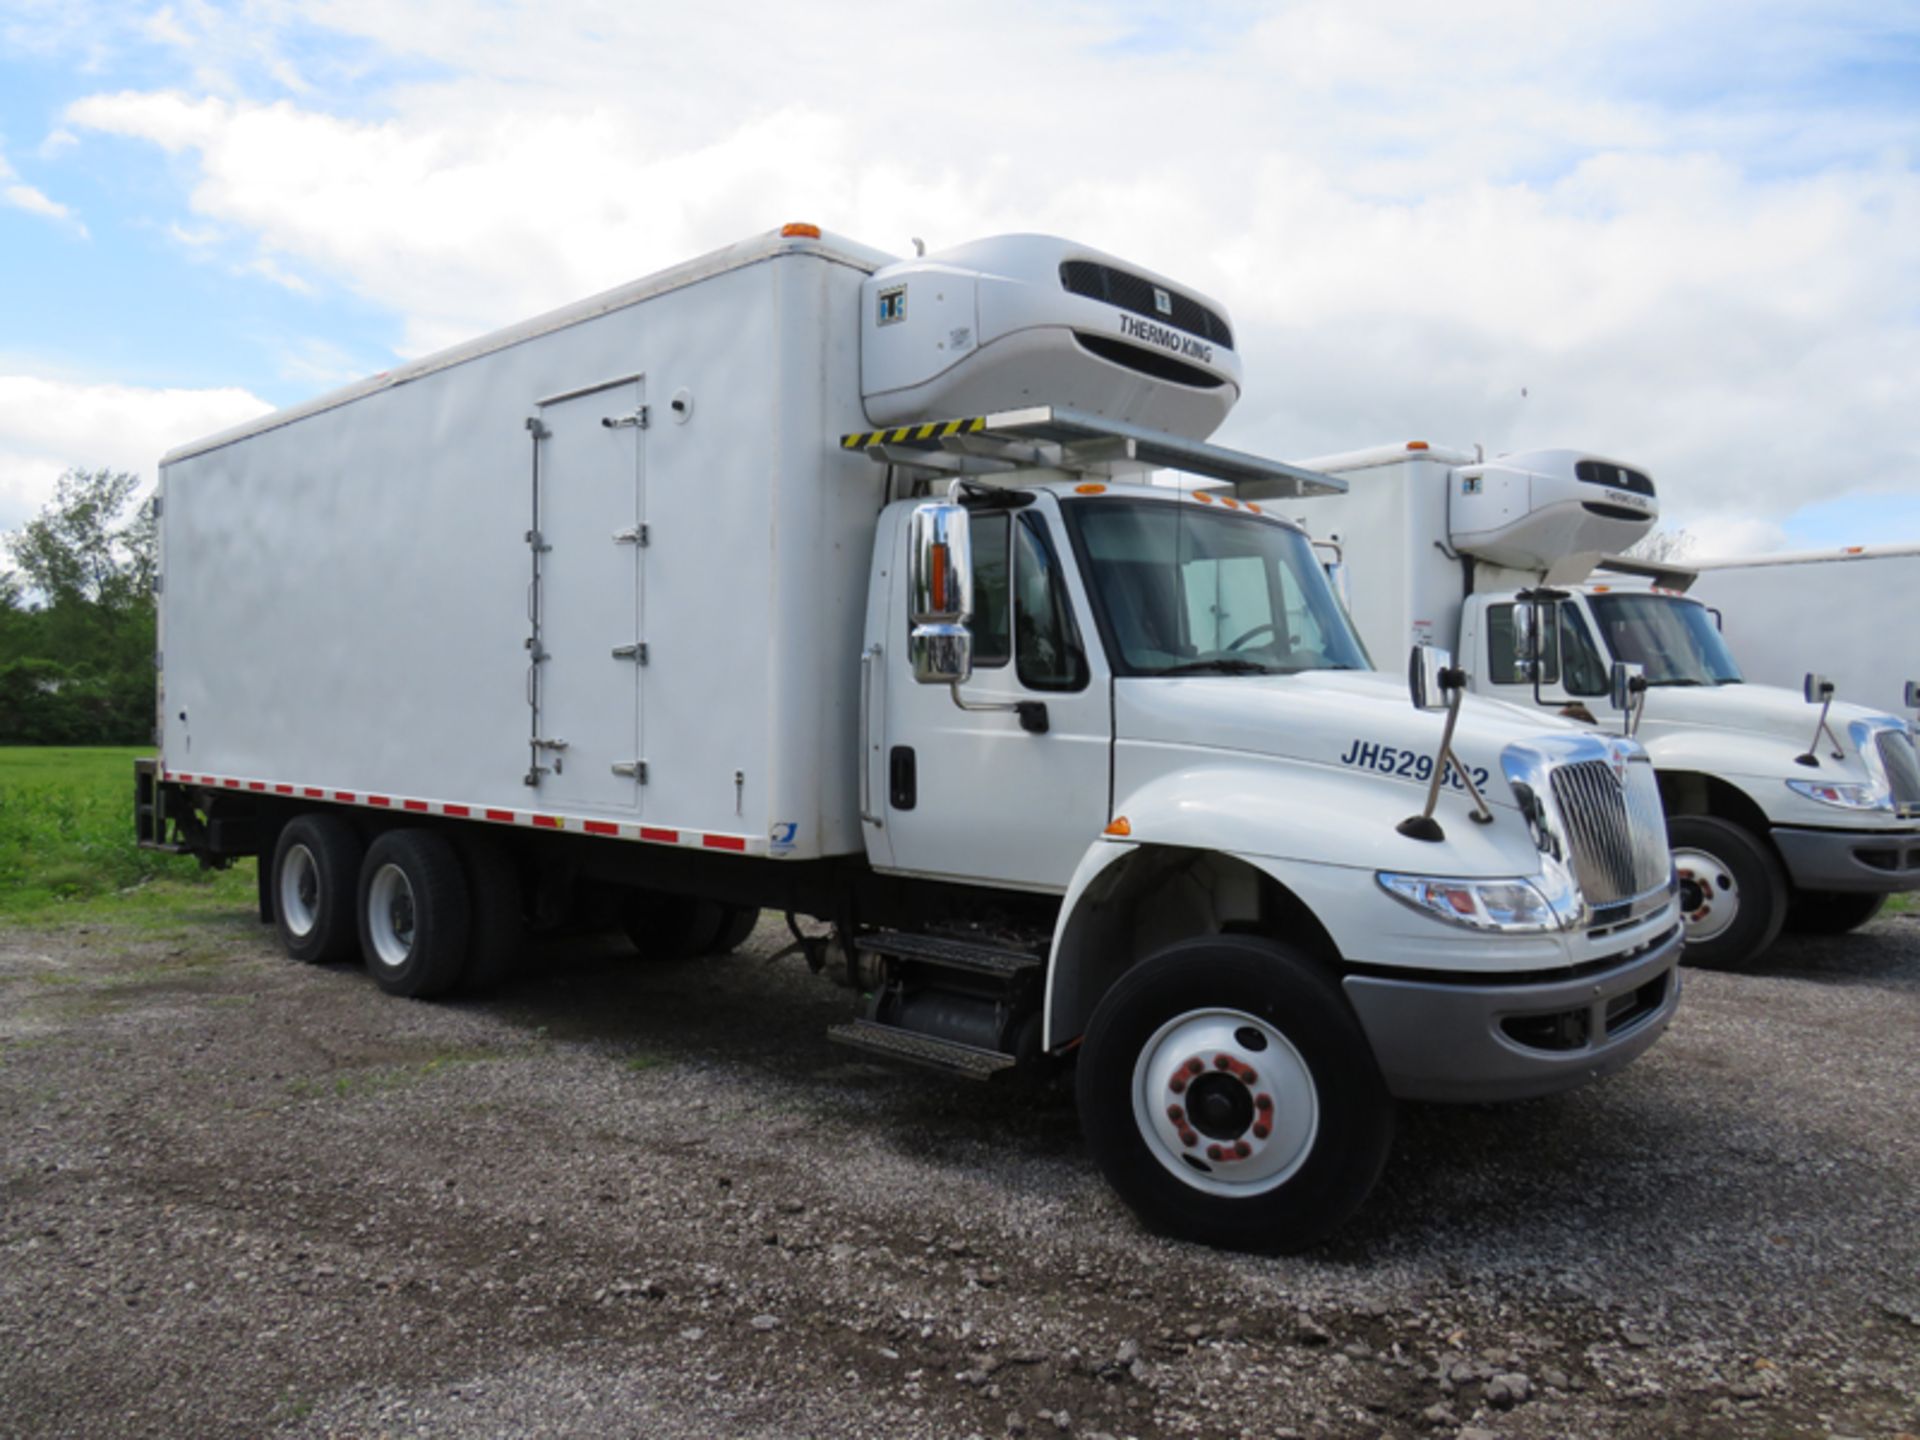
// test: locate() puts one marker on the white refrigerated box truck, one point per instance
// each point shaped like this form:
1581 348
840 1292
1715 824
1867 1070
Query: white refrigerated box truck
1853 614
1513 560
801 577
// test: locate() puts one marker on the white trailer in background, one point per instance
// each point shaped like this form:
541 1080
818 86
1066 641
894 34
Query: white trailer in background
1513 560
647 598
1852 614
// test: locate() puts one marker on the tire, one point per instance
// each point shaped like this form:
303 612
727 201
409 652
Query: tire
734 930
669 927
1733 892
499 918
1268 1010
316 877
414 919
1831 912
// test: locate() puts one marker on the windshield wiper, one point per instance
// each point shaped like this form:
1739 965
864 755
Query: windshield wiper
1224 665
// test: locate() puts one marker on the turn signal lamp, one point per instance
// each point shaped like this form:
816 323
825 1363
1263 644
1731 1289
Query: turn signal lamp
1120 827
800 230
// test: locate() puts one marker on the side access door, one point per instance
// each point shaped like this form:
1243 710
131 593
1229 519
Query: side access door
987 795
585 601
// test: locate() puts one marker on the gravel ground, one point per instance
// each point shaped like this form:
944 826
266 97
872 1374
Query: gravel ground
244 1196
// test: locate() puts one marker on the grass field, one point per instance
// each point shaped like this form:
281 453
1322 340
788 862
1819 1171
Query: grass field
66 843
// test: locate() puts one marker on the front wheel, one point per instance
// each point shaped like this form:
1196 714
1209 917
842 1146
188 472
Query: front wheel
1831 912
1733 893
1229 1096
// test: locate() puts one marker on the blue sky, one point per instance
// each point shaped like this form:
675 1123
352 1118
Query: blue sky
1684 229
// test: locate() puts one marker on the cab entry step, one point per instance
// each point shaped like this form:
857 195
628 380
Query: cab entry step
967 1061
954 954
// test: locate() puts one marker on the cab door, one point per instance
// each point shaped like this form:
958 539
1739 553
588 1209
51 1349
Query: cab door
987 795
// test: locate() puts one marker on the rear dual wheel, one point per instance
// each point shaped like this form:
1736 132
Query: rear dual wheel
1229 1096
414 918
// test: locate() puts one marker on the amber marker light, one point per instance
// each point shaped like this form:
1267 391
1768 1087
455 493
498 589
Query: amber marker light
1089 489
799 230
1119 827
1418 445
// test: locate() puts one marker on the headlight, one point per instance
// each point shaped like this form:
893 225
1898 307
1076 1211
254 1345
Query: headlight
1847 797
1507 906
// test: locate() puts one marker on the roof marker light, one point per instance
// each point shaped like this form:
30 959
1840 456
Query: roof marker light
800 230
1089 489
1418 445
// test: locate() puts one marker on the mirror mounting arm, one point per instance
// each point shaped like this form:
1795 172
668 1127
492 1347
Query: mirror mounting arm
1432 665
1819 691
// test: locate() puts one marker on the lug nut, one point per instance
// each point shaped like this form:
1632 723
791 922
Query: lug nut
1263 1102
1262 1131
1176 1114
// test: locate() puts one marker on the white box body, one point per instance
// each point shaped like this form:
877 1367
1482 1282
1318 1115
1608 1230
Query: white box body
347 586
1852 615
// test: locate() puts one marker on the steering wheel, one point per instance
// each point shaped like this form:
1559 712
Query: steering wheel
1256 630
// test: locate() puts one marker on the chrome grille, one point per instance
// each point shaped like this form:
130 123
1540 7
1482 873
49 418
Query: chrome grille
1615 828
1903 769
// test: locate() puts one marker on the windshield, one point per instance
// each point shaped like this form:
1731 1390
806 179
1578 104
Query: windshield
1187 589
1675 639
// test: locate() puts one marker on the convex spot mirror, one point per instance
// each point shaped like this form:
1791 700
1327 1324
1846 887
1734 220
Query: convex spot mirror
1913 694
940 594
1430 675
1818 689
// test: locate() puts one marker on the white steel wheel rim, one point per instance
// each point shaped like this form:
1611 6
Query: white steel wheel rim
1245 1121
391 916
300 891
1710 896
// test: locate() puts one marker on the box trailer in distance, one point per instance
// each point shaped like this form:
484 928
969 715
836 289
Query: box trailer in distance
801 577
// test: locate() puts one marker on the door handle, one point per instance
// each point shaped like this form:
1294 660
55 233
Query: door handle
867 657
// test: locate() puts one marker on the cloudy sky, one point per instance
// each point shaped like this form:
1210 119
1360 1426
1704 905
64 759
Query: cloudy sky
1683 233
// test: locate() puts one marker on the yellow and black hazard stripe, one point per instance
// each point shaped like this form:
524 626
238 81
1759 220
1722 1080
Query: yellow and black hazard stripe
933 430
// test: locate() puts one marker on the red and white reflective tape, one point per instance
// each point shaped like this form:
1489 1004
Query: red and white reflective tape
531 819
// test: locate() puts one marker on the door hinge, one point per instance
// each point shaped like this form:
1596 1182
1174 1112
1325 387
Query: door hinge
638 535
636 653
549 744
538 541
536 429
633 770
638 420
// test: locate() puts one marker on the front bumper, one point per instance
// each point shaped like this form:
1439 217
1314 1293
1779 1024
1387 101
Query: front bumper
1879 861
1436 1040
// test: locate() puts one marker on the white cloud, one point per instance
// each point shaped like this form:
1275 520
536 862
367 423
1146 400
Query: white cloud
1411 212
47 426
21 196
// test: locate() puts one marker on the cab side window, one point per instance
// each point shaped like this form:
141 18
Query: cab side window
1587 673
1502 664
992 638
1048 652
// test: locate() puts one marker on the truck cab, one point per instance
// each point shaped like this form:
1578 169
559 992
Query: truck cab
1783 808
1145 701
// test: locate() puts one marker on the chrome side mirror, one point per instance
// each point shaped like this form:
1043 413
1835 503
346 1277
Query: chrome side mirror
1430 675
1628 692
940 594
1629 680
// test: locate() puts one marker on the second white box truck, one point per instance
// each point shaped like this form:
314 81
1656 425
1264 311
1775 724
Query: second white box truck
802 577
1784 807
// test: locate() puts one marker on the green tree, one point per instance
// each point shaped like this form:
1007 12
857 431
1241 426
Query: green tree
77 620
